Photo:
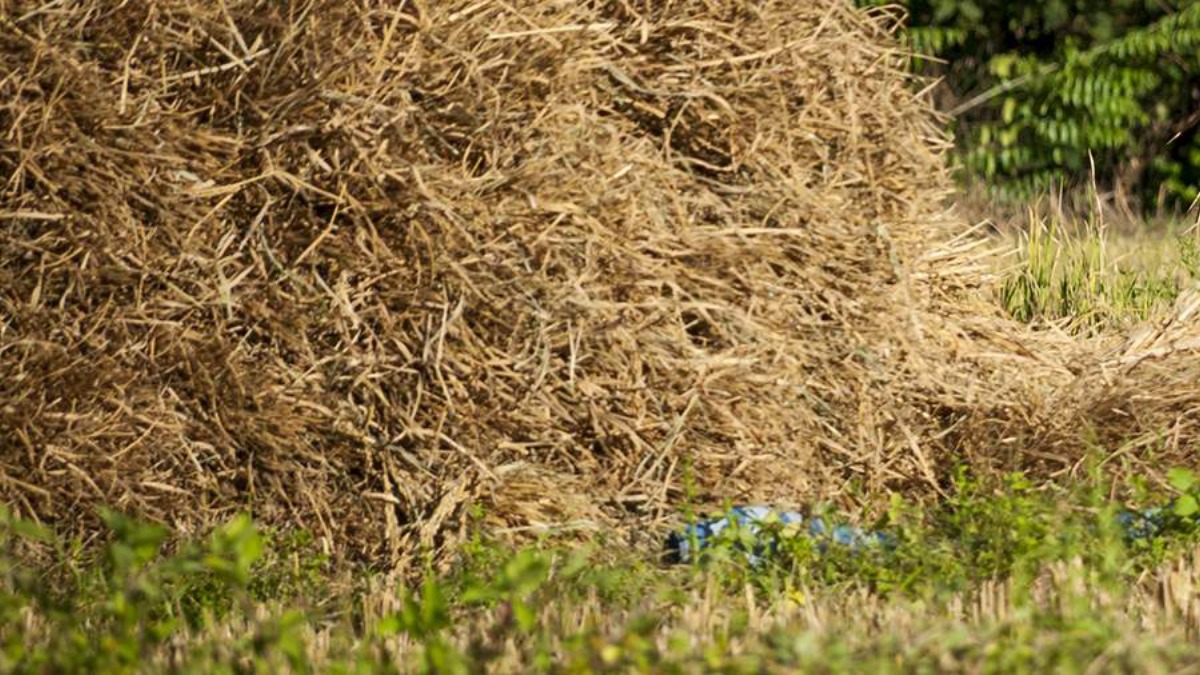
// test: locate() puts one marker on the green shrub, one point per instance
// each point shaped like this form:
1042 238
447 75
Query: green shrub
1044 90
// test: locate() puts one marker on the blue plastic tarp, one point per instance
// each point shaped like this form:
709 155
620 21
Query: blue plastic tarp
751 523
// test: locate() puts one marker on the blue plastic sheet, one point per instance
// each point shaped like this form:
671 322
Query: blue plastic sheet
752 522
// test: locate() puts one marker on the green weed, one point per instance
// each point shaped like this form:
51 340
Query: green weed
1003 576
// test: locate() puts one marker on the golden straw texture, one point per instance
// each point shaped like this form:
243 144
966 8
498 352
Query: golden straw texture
358 265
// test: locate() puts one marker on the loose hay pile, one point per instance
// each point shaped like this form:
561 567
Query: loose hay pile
359 265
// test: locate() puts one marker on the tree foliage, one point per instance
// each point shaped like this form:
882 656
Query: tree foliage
1042 90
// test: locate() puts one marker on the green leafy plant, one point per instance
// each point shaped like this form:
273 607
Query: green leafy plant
987 530
110 614
149 602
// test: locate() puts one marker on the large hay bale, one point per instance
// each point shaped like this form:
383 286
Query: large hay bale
357 265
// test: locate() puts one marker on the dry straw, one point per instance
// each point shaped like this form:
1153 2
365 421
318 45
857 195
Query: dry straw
359 265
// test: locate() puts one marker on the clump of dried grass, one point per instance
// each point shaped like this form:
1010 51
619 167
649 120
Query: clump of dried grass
359 265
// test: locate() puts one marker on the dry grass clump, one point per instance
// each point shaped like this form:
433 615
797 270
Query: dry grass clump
358 265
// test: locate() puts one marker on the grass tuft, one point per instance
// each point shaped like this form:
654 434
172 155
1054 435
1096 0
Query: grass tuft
1079 278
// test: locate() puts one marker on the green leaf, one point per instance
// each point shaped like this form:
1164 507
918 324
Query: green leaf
1009 111
1186 506
389 626
1181 479
32 531
525 616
